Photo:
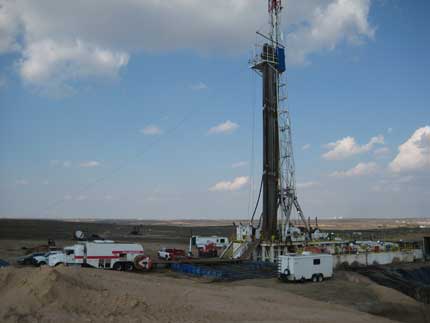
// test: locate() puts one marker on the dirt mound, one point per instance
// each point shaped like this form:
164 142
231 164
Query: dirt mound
413 281
388 302
65 294
61 294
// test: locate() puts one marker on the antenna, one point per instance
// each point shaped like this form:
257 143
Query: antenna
275 8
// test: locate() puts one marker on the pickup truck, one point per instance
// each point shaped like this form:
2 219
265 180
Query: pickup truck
171 253
29 259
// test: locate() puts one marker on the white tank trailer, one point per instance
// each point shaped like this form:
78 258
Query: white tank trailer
104 254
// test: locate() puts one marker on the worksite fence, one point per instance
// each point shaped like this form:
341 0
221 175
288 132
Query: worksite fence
244 270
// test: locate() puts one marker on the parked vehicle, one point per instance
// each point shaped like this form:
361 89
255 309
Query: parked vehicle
104 254
208 250
56 259
28 259
302 267
43 259
171 253
4 263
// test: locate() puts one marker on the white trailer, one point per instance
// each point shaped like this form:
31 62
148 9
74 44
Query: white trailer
104 254
200 242
305 266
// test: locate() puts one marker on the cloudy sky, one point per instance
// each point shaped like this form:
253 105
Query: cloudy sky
147 108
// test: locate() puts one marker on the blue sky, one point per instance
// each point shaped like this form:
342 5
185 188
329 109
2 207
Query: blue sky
145 111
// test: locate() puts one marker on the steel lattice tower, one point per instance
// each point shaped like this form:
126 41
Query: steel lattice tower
278 182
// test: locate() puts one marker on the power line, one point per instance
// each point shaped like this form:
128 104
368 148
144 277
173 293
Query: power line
116 170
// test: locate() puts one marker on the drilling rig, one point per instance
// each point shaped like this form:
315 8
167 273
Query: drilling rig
275 234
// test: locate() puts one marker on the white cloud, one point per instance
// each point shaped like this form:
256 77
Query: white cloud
63 163
348 147
414 154
198 86
306 147
309 184
394 184
361 169
89 164
151 130
389 130
81 198
51 65
224 128
234 185
382 152
9 29
21 182
239 164
63 41
339 20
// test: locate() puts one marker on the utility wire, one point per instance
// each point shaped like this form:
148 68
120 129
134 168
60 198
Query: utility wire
116 170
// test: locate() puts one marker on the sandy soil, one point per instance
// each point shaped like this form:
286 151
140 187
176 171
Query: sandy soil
356 291
75 294
66 294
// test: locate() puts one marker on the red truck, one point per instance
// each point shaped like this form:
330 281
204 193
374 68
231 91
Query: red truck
171 253
208 250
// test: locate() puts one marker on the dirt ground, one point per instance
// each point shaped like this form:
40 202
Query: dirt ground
89 295
67 294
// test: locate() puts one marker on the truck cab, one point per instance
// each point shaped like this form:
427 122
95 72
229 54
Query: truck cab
165 253
56 259
44 259
74 255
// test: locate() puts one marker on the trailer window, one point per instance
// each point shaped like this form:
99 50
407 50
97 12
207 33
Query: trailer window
317 261
222 240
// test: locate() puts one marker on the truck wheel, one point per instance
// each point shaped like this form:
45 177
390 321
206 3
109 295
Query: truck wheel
42 263
129 266
57 264
117 266
315 278
320 278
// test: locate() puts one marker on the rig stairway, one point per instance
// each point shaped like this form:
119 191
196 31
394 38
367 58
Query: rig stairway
244 252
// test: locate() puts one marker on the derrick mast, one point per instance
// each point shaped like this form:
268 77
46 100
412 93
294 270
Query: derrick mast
278 179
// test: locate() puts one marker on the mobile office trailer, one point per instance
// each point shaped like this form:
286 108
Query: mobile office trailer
104 254
305 266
